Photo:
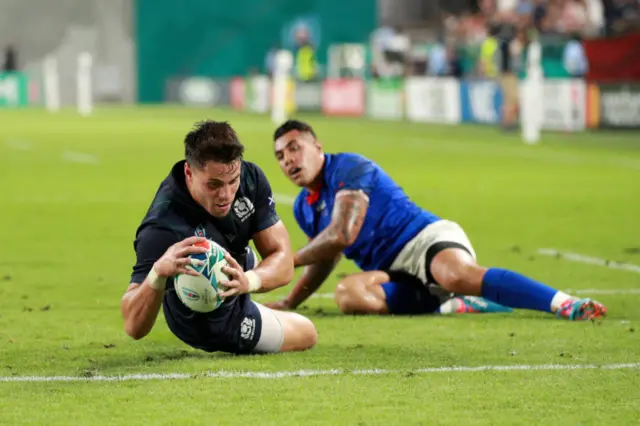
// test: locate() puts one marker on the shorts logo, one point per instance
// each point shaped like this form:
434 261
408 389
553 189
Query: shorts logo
243 208
247 328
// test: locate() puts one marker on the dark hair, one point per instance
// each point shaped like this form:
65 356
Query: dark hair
212 141
293 125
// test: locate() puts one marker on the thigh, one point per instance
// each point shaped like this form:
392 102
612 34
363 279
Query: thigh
271 331
416 257
283 331
235 327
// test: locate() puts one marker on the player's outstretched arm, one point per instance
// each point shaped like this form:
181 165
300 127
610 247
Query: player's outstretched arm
276 267
312 278
141 302
140 306
349 212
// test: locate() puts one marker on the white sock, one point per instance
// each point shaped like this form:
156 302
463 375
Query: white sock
559 299
450 306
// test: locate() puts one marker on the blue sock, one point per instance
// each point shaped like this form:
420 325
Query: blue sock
516 291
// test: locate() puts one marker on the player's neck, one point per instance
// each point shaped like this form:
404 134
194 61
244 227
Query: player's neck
316 185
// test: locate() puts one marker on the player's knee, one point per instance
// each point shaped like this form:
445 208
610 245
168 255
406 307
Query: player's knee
348 299
462 278
300 333
343 296
356 300
309 335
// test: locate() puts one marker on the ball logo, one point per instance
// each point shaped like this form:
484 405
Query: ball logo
211 297
190 294
207 270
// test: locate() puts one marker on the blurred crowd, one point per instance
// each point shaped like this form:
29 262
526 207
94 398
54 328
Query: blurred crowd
588 18
500 29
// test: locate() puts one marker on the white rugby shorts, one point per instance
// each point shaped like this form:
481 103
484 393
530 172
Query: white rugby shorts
416 256
272 333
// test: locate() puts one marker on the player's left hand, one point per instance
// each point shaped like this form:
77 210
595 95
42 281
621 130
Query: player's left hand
280 305
238 283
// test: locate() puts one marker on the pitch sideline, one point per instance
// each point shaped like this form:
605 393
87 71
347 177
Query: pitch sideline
314 373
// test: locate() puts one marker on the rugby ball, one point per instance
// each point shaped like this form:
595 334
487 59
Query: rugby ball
201 293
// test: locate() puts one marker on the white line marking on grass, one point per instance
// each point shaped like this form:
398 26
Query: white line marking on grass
312 373
284 199
576 257
605 291
19 145
265 296
323 295
79 157
485 150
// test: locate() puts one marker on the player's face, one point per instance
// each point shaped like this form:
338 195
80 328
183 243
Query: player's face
300 157
214 186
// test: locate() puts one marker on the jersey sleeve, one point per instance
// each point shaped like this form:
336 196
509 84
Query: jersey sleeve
265 205
150 244
356 173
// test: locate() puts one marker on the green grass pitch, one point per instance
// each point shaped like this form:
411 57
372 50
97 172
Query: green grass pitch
74 190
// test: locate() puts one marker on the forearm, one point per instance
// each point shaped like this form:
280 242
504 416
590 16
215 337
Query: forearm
347 219
312 278
275 270
324 248
140 306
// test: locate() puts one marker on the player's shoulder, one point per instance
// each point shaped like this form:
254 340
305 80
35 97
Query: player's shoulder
345 160
251 171
347 167
250 168
163 205
349 157
167 211
253 179
156 234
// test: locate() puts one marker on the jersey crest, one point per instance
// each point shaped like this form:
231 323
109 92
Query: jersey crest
243 208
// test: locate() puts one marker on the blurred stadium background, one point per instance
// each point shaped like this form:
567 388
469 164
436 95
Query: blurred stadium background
442 61
429 89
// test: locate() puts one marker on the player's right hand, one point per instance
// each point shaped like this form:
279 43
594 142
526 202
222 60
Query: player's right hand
176 258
